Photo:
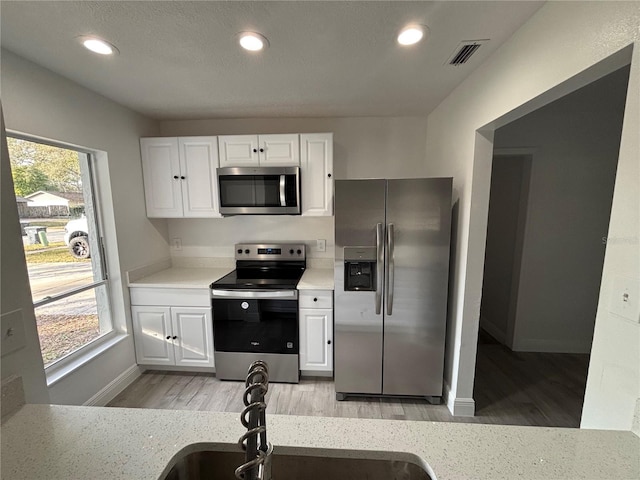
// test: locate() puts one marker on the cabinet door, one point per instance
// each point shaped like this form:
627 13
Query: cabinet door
161 174
152 335
193 327
198 163
238 150
279 150
316 339
316 171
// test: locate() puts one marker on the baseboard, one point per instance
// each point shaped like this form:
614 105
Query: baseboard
493 330
116 386
550 346
314 373
459 407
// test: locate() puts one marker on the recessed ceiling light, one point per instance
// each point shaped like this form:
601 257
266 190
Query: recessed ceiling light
412 34
97 45
252 41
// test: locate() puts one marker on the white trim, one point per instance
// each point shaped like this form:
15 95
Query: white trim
114 387
69 364
464 407
550 345
316 373
459 407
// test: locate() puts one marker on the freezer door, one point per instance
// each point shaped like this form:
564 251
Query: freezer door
359 209
418 218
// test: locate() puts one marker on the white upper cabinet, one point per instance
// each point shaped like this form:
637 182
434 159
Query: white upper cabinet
198 163
180 176
161 174
282 150
316 171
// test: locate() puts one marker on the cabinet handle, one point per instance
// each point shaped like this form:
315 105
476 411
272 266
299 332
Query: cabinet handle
255 150
175 176
315 299
183 177
168 337
175 336
328 342
262 150
329 175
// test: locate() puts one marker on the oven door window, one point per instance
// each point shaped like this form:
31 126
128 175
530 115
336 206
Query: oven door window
258 326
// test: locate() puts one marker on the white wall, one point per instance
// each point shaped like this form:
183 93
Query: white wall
576 141
557 51
38 102
15 291
364 147
503 242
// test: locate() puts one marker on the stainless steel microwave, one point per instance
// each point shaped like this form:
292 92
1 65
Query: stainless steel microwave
259 190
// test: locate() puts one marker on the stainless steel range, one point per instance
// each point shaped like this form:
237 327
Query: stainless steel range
255 312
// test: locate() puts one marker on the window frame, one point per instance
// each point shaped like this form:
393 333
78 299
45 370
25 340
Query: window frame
68 363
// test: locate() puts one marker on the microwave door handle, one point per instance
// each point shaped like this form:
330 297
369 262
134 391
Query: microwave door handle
283 197
379 264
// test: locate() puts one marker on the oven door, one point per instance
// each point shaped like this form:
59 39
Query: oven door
255 321
259 191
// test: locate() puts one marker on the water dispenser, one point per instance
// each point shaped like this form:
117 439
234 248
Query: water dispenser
359 269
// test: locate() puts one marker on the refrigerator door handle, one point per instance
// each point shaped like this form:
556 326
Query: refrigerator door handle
379 271
390 268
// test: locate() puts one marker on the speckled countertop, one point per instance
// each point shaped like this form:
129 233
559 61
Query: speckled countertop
316 279
312 279
182 278
64 442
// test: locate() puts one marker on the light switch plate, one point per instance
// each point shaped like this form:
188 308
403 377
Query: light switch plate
12 331
625 298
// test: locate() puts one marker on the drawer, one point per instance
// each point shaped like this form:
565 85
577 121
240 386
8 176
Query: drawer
174 297
316 299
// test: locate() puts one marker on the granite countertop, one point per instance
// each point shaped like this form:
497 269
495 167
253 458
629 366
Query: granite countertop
66 442
312 279
182 278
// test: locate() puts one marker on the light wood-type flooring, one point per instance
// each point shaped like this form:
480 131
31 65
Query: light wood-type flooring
511 388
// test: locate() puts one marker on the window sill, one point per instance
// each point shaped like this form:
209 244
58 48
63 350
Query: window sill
57 372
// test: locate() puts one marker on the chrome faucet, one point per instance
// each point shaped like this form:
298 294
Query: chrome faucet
258 451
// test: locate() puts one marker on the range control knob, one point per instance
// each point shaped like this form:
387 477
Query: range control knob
299 252
291 252
246 251
239 250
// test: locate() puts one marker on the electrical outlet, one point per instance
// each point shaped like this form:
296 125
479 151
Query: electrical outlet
625 298
322 245
176 243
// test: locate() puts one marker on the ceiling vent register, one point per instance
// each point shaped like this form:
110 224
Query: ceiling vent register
464 51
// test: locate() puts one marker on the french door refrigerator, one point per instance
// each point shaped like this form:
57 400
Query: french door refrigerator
391 282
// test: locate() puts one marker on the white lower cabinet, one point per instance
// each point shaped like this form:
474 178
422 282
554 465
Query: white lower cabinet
177 336
316 332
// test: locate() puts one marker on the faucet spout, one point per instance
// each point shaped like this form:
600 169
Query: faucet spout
258 451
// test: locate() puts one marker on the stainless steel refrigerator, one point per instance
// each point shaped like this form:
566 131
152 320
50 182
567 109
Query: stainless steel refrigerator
391 280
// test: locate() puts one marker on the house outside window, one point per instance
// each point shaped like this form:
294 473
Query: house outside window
60 226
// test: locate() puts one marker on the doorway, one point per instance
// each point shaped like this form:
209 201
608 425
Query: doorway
552 182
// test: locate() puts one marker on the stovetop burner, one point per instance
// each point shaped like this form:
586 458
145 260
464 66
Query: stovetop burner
265 266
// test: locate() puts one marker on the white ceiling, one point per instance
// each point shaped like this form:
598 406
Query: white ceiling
181 60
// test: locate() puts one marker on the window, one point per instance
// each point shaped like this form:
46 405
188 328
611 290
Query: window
59 219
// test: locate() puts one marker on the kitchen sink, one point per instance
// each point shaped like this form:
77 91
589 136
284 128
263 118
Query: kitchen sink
220 465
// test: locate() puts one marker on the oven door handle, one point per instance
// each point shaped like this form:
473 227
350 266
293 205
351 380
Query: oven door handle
267 294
